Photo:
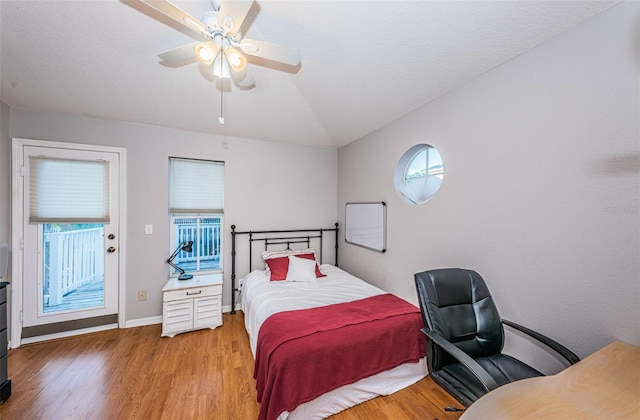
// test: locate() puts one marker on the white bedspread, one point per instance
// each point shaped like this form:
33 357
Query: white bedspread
262 298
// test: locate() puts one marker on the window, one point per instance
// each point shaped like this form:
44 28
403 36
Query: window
419 174
196 203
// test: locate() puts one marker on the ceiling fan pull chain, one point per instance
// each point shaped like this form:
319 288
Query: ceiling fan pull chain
221 119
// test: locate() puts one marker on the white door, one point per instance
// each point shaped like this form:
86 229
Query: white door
70 265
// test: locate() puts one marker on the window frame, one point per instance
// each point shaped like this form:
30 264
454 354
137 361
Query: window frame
402 176
193 209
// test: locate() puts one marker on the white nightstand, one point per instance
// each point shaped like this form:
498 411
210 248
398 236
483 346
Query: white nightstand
193 304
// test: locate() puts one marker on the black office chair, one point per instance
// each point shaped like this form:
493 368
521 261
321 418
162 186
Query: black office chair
465 335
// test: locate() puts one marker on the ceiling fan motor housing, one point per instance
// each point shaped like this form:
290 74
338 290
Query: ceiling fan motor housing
210 20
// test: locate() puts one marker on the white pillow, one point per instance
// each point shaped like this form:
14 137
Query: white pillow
266 255
301 269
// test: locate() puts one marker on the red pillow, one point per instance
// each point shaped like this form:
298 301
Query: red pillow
280 266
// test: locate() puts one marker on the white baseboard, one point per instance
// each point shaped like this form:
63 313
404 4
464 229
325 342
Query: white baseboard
141 322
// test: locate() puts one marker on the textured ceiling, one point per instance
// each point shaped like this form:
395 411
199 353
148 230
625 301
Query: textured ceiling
364 63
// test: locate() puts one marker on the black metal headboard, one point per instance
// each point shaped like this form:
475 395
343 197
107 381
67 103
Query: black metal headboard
276 237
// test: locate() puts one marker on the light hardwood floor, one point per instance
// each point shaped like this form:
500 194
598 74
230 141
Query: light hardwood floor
133 373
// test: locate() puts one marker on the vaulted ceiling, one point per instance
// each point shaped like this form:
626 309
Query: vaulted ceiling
364 63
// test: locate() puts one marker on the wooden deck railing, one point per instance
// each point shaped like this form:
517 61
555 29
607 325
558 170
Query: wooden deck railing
206 250
75 258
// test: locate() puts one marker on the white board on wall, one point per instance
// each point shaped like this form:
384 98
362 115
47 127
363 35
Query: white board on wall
366 225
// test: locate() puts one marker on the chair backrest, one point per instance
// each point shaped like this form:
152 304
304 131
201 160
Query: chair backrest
456 304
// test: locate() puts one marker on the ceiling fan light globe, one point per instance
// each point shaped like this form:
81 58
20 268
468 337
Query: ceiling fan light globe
204 54
220 69
237 61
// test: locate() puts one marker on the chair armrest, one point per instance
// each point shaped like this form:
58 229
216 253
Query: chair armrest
474 367
554 345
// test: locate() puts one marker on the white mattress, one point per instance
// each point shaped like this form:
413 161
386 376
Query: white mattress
262 298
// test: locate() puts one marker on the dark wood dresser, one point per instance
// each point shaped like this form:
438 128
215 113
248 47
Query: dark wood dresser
5 383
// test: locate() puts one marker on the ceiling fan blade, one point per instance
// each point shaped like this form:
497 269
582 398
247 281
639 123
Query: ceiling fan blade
194 27
243 79
290 56
179 54
232 14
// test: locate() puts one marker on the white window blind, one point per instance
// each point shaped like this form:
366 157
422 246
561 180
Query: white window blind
196 186
68 191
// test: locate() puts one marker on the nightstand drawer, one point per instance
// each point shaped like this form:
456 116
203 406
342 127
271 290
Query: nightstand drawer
177 326
207 311
178 316
178 309
211 304
194 292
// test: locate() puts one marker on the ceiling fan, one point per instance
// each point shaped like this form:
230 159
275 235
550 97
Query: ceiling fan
219 39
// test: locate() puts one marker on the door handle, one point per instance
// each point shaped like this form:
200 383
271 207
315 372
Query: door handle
111 249
111 236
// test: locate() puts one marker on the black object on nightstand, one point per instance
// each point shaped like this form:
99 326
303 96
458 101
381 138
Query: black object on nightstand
5 383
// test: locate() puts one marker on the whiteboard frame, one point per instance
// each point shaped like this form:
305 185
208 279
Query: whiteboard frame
375 235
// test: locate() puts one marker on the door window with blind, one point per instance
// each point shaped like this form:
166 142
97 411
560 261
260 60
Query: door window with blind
69 200
196 206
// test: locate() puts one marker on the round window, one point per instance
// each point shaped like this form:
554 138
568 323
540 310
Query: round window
419 173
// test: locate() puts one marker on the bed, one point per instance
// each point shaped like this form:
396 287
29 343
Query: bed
322 339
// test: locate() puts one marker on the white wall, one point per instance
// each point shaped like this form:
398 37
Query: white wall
267 186
541 192
5 174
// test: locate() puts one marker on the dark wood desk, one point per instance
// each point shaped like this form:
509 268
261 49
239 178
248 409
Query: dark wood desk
605 385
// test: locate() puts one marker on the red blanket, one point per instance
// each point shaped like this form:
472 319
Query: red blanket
303 354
